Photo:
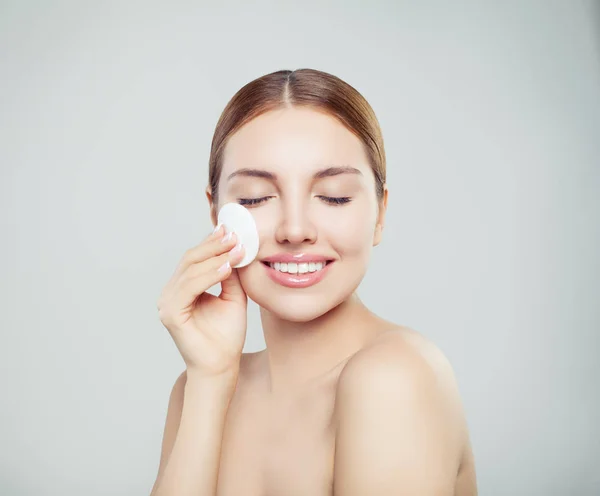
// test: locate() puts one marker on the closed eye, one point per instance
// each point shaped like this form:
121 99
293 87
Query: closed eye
339 200
252 201
333 200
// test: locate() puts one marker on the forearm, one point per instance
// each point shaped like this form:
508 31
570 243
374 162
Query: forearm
193 465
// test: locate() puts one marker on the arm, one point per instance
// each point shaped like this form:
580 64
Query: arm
398 426
193 432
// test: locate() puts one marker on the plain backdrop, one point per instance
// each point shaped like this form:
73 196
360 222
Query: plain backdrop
491 118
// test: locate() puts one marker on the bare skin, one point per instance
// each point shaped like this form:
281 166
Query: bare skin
283 444
341 402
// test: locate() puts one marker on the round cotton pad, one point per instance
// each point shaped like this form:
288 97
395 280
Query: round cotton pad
238 219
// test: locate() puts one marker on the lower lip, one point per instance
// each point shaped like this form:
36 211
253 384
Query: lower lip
297 280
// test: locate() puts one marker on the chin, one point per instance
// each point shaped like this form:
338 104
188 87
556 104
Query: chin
298 305
297 310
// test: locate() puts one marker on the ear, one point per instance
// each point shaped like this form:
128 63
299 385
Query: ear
211 206
381 217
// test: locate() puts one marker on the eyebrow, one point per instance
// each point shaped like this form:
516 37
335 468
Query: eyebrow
327 172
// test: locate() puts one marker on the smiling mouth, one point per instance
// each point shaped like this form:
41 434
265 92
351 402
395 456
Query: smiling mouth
298 268
302 274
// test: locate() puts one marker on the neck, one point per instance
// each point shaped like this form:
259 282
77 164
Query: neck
299 352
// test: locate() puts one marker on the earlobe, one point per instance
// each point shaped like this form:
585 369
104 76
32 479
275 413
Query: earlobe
378 233
380 217
213 215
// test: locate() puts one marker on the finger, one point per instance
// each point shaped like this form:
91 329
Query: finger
187 257
201 276
231 286
211 246
216 244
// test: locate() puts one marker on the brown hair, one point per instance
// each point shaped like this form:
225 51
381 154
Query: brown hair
302 87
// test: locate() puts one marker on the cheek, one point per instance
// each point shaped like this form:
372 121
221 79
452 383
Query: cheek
351 236
266 224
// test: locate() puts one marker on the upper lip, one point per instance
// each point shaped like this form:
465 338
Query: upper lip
298 258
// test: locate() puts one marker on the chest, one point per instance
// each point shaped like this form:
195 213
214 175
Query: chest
282 447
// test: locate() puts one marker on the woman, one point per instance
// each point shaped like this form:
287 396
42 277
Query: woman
341 402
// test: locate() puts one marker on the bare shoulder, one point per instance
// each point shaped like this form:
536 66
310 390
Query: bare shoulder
402 350
407 358
399 398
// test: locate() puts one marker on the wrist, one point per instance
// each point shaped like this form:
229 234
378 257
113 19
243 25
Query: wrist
225 380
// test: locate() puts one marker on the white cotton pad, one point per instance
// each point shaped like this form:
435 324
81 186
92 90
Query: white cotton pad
238 219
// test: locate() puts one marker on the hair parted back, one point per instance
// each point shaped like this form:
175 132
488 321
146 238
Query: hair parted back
306 88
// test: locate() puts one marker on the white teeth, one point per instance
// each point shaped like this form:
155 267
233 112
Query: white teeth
297 268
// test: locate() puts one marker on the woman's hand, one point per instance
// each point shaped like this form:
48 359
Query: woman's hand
208 331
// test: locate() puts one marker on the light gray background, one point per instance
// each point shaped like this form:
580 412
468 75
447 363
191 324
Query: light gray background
491 117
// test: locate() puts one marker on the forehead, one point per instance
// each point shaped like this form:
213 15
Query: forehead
293 141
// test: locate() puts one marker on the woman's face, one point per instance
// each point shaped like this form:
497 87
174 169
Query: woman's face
295 209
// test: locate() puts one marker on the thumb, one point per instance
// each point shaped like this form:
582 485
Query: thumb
231 288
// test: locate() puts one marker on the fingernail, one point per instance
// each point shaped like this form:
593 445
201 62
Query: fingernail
237 248
224 268
217 228
227 237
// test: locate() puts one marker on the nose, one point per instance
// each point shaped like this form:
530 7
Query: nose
295 226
